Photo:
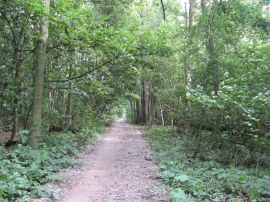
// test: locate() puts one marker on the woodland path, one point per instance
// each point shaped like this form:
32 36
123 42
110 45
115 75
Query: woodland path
118 168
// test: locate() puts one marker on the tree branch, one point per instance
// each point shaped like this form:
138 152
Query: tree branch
163 10
83 74
8 23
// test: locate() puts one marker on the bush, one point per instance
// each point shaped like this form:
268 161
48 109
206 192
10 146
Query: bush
24 170
197 180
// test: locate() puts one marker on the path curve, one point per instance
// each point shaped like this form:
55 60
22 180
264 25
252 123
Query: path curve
120 168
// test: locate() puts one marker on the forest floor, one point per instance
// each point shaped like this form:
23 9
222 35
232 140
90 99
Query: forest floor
120 167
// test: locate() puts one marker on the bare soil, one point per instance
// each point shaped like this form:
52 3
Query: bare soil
118 168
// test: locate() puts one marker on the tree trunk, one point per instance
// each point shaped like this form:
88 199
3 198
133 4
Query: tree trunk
189 23
132 110
191 12
39 81
186 15
17 61
203 5
138 112
199 136
64 109
163 10
17 95
151 108
211 67
1 133
161 114
69 99
144 102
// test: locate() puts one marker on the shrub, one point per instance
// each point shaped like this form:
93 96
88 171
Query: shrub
24 171
204 180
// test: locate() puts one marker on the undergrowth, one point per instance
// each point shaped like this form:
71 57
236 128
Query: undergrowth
24 171
204 180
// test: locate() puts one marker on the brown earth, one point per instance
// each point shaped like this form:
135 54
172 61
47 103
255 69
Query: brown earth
118 168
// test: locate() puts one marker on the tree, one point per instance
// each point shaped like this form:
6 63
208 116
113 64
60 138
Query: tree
39 78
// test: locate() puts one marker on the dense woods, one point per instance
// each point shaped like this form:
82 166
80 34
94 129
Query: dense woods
195 72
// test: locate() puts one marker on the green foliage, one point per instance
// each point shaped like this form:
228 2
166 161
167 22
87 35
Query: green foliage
178 195
210 80
197 180
24 171
214 86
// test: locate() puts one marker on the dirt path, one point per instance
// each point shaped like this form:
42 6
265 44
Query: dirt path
120 168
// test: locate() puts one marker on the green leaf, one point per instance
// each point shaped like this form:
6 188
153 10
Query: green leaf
182 178
1 193
179 195
3 178
254 193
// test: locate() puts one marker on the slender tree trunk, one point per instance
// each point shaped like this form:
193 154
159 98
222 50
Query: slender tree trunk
189 23
64 109
186 59
69 99
132 110
199 136
161 114
163 10
26 119
198 146
186 15
143 102
152 108
69 109
267 11
203 5
191 13
138 112
17 62
1 133
211 67
39 81
17 94
135 112
146 104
